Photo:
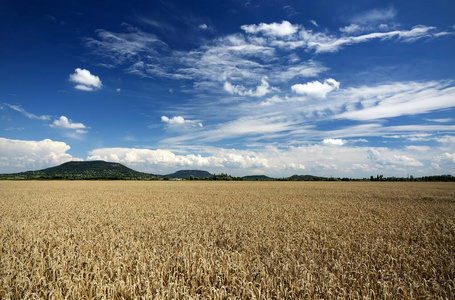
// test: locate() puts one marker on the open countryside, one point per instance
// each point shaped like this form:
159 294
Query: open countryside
227 240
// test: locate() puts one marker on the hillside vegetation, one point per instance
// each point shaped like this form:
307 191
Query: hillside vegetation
101 170
226 240
87 170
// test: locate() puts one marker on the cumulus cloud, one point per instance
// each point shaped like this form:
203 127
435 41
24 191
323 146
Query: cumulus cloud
23 155
385 158
281 161
179 120
333 142
71 129
445 161
316 89
85 80
272 29
64 123
27 114
162 159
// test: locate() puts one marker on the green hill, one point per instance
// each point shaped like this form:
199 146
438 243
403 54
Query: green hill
306 178
83 170
188 173
257 177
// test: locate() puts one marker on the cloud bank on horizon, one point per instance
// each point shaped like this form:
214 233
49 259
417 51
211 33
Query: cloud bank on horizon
352 95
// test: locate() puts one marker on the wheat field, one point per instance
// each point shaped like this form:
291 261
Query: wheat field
227 240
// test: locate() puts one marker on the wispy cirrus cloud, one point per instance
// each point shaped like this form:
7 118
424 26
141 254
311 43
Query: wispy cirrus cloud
27 114
253 127
398 99
244 58
279 90
375 16
260 90
126 47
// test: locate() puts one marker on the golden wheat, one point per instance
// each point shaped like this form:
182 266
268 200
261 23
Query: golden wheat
227 240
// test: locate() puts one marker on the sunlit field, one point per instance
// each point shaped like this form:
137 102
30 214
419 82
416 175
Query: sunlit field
227 240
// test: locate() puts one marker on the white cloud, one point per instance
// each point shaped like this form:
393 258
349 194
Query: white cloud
28 115
333 142
316 89
273 29
203 26
445 161
351 29
174 120
22 155
314 23
119 48
418 148
446 139
264 127
398 99
236 58
384 157
294 166
444 120
375 16
167 160
323 42
260 91
179 120
85 80
273 100
64 123
307 69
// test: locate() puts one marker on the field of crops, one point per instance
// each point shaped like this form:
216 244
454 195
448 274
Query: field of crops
227 240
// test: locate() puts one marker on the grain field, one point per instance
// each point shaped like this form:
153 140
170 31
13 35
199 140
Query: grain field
227 240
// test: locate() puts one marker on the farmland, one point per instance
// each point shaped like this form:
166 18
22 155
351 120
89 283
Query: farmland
227 240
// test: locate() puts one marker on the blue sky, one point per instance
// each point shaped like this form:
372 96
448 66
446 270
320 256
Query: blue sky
329 88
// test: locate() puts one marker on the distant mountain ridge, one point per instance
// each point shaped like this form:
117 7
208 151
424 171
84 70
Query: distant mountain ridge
84 170
102 170
305 177
257 177
188 173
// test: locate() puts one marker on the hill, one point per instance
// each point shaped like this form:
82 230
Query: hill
257 177
83 170
306 178
187 173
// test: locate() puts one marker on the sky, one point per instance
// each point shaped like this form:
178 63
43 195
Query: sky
327 88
